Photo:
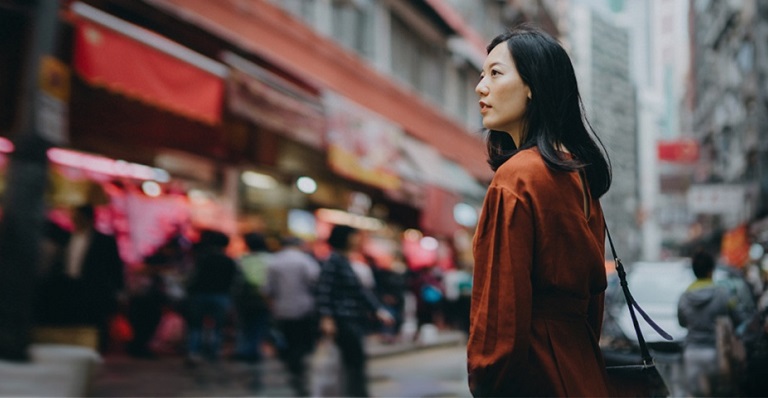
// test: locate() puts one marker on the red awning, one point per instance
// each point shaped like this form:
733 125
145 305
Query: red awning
122 64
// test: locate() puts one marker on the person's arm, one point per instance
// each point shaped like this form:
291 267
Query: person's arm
324 296
375 305
682 317
500 318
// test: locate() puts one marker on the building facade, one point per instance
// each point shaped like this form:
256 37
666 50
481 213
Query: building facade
260 113
727 92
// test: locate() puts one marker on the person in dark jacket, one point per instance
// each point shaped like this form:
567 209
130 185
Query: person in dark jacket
697 310
344 304
209 293
85 277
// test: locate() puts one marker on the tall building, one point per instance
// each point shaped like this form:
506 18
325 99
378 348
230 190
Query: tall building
659 42
600 49
728 98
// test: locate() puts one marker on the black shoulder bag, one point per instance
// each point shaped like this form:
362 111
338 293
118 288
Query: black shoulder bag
641 379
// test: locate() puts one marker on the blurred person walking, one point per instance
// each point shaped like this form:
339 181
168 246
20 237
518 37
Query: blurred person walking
344 304
390 289
539 248
145 307
250 298
698 310
291 278
85 277
209 295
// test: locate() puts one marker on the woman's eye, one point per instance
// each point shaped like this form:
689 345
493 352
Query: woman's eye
495 73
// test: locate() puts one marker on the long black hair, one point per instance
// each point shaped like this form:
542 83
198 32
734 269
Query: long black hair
555 115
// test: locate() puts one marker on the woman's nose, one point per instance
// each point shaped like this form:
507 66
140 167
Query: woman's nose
481 89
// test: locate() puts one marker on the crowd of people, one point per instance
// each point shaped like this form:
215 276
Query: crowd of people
191 297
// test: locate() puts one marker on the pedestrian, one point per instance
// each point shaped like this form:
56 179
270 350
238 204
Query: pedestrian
390 289
145 306
344 305
698 310
250 299
539 273
291 278
209 298
84 283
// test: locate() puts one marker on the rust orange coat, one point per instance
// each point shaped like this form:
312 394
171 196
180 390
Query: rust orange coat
539 282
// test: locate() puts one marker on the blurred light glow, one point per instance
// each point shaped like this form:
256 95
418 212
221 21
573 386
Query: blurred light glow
306 185
429 243
353 220
6 146
151 189
756 251
197 196
412 234
465 215
107 166
302 223
258 180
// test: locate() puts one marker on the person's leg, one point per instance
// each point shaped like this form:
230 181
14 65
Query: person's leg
194 329
291 353
349 338
698 361
219 306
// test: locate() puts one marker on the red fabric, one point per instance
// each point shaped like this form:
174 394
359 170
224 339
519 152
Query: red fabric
121 64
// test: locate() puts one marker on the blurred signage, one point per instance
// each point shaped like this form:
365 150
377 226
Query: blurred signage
53 100
361 144
265 99
140 64
716 198
735 246
684 150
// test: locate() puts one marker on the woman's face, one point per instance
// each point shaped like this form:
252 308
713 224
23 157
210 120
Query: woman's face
503 94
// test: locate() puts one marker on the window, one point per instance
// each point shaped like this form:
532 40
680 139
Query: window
417 62
352 25
304 9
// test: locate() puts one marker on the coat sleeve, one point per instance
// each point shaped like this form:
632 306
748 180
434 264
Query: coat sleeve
500 318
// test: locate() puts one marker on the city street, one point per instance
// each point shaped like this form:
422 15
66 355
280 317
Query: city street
430 372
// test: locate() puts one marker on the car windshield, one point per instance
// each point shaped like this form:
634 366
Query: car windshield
659 284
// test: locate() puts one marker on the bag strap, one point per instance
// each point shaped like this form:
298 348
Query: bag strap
633 305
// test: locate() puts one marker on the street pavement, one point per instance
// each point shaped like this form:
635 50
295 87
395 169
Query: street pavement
433 369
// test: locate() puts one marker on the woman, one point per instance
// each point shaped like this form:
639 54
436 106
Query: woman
537 299
344 305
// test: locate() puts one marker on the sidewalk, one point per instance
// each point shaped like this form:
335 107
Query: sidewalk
376 349
123 376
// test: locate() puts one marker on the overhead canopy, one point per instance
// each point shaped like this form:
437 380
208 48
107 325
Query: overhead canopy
132 61
426 165
266 99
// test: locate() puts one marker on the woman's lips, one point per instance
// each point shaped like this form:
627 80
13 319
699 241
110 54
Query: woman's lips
484 107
